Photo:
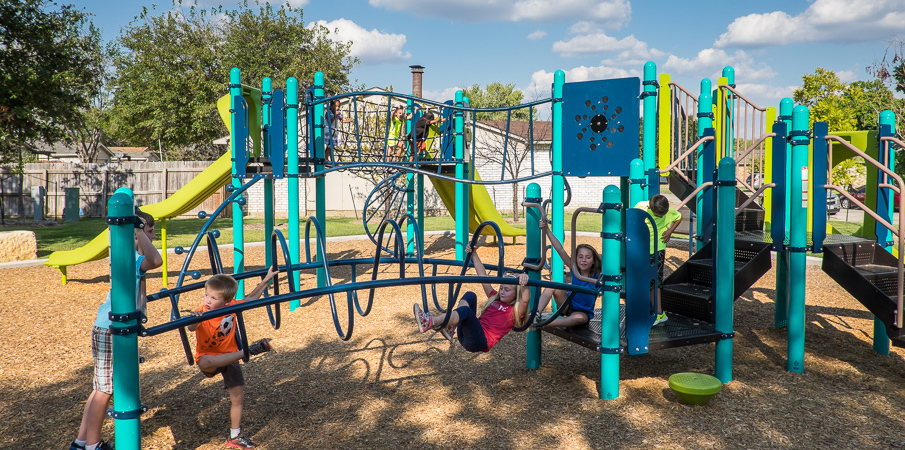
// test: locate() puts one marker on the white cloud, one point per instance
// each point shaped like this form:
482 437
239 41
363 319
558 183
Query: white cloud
847 76
823 21
611 13
712 61
600 42
442 95
370 46
537 35
542 81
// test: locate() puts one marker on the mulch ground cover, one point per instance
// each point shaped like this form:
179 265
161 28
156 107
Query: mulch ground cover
390 386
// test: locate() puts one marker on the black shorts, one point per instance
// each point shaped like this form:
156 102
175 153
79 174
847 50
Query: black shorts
661 261
232 375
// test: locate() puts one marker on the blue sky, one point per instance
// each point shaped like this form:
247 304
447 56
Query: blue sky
770 43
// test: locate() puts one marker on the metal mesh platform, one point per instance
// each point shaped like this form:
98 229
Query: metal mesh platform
678 331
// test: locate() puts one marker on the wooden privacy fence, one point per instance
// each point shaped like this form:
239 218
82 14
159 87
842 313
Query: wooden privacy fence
151 182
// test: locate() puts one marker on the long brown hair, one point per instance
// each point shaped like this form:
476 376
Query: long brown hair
518 320
596 265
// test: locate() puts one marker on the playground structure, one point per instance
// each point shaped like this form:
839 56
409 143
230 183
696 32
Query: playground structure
730 225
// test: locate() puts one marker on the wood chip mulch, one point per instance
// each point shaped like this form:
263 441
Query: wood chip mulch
392 387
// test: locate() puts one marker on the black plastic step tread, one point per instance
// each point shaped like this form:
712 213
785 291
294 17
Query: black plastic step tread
876 269
688 288
677 331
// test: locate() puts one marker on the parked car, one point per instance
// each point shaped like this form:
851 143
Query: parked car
859 195
833 205
754 180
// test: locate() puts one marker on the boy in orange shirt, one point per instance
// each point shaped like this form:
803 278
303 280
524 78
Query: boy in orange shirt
217 351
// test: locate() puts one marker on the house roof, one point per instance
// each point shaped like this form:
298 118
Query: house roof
128 149
542 130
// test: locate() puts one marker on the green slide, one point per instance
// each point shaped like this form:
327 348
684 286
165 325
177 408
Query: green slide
481 209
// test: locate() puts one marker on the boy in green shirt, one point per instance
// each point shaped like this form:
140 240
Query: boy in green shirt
667 220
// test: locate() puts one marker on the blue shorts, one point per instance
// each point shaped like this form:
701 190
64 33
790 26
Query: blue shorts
469 330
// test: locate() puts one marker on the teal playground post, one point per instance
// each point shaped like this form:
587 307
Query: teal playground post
266 98
799 241
292 160
124 318
636 189
729 75
461 209
705 121
557 183
724 276
781 314
235 91
610 348
410 195
533 252
649 125
320 185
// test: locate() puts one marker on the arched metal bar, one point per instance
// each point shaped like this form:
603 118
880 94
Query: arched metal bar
277 237
322 257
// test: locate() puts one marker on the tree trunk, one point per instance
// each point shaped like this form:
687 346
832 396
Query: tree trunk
515 202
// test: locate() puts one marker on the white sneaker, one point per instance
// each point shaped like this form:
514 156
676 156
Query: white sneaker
423 320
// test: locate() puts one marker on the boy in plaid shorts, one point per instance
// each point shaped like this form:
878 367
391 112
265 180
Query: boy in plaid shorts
147 258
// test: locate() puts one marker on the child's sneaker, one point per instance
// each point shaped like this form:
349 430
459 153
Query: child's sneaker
449 332
262 346
660 319
74 446
425 322
240 441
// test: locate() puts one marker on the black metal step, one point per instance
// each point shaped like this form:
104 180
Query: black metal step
678 331
870 274
682 183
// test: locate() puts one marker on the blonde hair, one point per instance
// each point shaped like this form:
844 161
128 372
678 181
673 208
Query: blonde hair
518 320
223 284
596 265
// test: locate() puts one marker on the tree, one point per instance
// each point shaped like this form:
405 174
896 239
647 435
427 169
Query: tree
48 73
173 67
824 95
508 147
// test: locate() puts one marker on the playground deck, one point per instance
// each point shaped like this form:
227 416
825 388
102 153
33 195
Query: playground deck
392 387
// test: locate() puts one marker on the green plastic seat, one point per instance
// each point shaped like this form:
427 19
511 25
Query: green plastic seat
695 388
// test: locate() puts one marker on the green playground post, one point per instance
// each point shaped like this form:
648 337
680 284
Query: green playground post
649 124
420 216
266 97
799 241
781 313
292 161
705 121
881 337
533 252
557 184
123 292
410 197
724 276
235 90
609 314
729 75
320 186
461 208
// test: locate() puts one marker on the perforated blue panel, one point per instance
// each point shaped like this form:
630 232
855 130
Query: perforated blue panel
600 127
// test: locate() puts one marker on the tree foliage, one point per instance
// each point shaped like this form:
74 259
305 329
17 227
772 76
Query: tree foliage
173 66
50 68
497 95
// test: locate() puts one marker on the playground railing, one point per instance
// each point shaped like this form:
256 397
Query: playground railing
683 107
898 230
746 122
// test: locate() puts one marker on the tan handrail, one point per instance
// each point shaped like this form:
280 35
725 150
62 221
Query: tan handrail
732 89
693 194
753 196
754 146
900 278
687 152
682 88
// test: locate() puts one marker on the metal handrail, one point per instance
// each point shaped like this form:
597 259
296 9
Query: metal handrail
694 194
753 196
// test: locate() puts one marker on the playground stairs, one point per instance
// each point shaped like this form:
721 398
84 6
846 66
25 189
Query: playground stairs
682 184
689 292
869 273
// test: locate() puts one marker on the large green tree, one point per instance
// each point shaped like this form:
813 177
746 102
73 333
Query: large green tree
497 95
173 65
49 72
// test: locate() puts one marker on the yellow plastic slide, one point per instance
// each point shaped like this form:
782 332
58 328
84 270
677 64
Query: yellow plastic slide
480 210
182 201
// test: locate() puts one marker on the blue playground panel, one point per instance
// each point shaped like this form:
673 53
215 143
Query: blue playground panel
600 127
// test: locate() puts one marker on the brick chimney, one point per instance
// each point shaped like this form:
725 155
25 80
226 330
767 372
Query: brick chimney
417 72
